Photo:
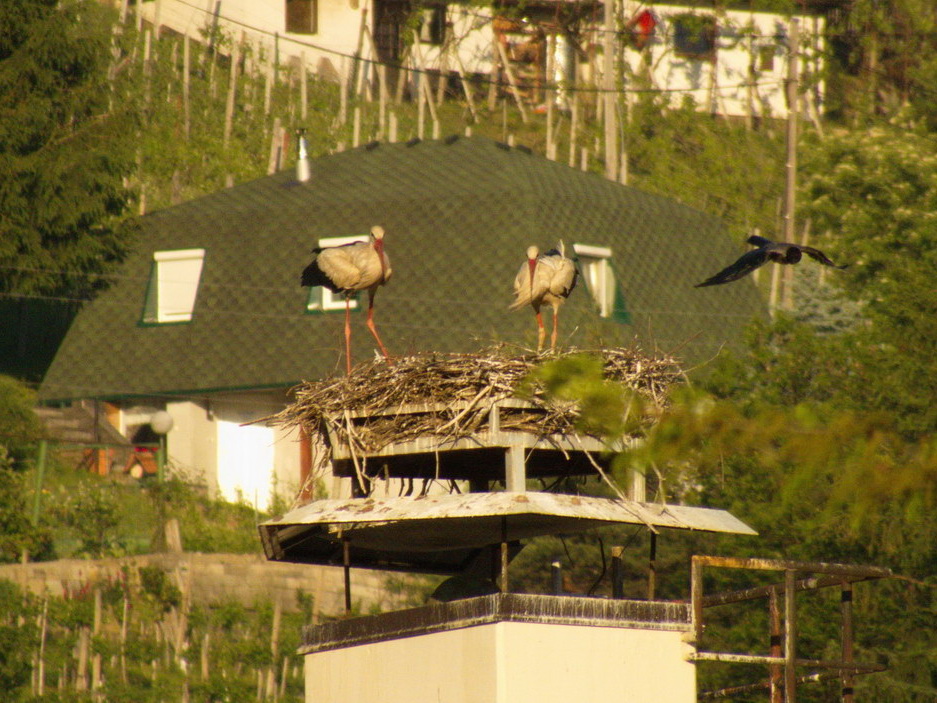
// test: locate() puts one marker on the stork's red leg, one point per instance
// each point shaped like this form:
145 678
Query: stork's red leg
348 334
541 332
373 329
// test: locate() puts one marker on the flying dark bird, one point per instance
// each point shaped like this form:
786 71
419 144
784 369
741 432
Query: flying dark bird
348 269
778 252
546 278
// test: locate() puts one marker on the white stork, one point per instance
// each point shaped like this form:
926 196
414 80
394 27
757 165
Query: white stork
546 278
348 269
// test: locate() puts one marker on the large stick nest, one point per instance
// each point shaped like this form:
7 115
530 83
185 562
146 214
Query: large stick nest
463 388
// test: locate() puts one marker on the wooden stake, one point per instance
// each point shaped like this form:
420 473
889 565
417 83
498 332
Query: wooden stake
392 128
269 79
495 78
420 111
792 110
443 68
96 658
584 161
790 638
204 658
303 87
403 75
343 94
612 154
513 82
275 629
41 663
424 79
273 164
358 65
186 70
381 70
750 86
573 126
776 650
382 106
356 127
232 92
81 674
549 96
284 672
466 88
775 289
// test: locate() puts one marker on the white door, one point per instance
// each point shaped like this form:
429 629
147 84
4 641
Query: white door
245 463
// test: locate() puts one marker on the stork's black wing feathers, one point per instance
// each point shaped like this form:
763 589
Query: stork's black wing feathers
314 276
746 263
821 257
758 241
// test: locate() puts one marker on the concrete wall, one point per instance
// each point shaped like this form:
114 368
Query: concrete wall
509 662
213 578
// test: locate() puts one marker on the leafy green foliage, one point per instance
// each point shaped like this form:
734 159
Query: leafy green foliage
64 150
606 408
156 585
17 533
692 159
19 426
93 513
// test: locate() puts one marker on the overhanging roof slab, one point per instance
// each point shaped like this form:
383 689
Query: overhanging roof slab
444 533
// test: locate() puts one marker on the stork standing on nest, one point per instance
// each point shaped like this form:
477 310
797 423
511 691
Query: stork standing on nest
546 278
348 269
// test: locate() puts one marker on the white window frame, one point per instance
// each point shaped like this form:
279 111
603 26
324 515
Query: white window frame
175 287
595 265
321 299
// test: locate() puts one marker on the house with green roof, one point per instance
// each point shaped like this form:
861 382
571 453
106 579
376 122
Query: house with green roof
207 320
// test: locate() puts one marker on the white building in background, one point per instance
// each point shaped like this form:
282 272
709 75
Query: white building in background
728 62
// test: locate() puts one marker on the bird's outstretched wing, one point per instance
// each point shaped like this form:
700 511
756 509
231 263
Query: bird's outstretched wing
821 257
745 264
758 241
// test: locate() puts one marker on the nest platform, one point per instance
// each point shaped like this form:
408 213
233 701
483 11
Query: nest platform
479 417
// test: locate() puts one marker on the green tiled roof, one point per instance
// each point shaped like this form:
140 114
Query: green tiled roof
458 217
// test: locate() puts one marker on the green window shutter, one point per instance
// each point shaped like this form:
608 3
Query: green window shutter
619 308
151 302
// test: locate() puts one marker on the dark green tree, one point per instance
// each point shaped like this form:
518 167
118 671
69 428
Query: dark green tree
66 144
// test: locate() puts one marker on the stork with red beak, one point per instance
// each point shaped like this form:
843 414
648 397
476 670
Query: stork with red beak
348 269
546 278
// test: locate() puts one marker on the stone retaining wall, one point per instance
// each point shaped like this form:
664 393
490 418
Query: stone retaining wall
213 578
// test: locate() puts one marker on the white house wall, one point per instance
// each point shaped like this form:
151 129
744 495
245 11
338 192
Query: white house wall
210 443
509 662
262 24
741 37
192 444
